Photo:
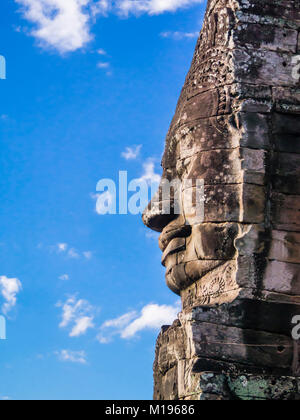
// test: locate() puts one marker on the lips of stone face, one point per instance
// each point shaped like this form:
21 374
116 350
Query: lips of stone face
191 252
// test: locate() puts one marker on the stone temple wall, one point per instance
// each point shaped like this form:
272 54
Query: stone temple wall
237 126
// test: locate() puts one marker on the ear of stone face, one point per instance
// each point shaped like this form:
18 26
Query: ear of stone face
236 128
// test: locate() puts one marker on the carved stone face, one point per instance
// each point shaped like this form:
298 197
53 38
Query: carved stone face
203 144
204 253
192 250
238 270
223 136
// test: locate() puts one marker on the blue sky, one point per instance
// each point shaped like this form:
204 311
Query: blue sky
91 89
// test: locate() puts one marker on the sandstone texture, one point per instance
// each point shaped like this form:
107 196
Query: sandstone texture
237 127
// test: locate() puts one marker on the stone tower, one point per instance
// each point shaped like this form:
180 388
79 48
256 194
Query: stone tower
236 127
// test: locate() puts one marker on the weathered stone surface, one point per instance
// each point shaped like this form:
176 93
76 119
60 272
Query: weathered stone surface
251 314
285 247
245 130
286 133
234 203
273 39
286 177
233 166
180 374
256 348
285 212
282 277
237 128
248 387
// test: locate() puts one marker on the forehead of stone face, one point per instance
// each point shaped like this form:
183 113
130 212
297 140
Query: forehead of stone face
199 122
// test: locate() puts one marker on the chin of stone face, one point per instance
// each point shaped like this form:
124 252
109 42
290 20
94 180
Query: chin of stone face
237 270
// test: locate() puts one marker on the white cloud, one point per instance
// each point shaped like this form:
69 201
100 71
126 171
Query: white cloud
70 309
64 277
102 65
115 325
9 289
101 52
88 255
101 7
151 317
72 253
132 153
149 174
180 35
152 235
62 247
120 322
65 25
105 66
153 7
72 356
102 339
60 24
77 315
82 325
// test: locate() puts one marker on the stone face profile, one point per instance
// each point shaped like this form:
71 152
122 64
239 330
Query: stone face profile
237 128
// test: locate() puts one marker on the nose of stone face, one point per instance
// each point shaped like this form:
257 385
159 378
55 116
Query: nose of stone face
159 213
166 205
